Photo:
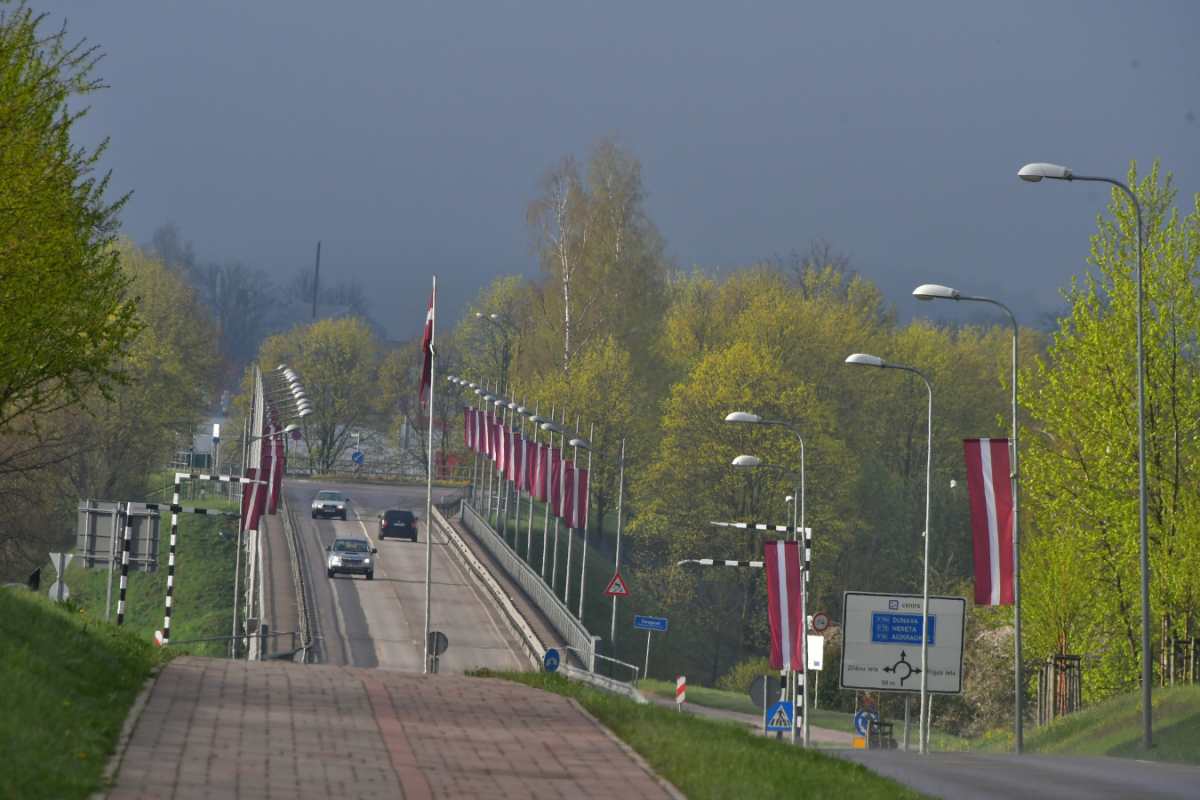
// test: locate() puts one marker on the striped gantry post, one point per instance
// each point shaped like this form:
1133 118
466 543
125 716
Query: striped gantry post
176 510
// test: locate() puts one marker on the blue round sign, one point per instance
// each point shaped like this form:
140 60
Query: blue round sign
860 720
550 661
357 458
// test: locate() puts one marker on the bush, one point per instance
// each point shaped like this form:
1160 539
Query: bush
741 676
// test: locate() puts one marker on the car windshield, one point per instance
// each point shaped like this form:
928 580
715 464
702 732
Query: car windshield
329 495
351 545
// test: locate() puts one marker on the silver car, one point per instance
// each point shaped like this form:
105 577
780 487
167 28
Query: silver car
351 555
329 504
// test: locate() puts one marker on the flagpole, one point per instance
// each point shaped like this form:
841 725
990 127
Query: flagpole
429 486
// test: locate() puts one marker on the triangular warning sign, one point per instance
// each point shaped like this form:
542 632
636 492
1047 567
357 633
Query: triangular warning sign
780 720
617 587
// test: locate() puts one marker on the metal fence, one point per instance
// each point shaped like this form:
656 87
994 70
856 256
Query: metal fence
563 621
1058 688
391 470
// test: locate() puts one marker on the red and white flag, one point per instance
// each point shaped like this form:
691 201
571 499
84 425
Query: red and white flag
516 455
990 487
427 363
576 511
467 442
547 466
785 605
559 486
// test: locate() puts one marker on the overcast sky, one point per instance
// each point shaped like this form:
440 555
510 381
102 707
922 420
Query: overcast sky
408 137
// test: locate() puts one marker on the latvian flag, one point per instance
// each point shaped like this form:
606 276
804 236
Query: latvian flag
558 485
785 605
990 488
516 457
575 512
547 467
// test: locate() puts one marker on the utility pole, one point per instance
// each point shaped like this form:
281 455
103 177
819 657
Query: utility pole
316 281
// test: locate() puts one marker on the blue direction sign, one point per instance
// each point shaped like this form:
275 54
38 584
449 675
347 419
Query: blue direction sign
888 628
357 458
779 716
550 660
861 719
650 623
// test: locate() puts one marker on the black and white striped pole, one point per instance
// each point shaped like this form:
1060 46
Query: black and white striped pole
123 508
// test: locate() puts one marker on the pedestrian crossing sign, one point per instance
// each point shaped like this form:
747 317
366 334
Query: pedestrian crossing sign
779 716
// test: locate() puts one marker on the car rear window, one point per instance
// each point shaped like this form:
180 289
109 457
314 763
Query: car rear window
398 515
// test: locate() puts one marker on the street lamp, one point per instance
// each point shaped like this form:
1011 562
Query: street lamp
865 360
620 462
754 419
932 291
747 462
1034 173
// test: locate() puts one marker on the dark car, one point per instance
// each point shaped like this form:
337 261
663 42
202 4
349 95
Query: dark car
350 555
398 522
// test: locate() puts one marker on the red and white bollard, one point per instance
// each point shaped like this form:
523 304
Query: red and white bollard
680 692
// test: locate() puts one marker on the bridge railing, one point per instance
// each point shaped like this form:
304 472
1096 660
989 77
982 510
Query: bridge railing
563 621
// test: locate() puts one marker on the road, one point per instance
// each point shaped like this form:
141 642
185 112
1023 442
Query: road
969 776
380 623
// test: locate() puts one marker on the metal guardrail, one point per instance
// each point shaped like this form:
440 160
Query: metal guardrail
289 530
563 621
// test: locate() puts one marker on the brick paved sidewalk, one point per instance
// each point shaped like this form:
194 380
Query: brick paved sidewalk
215 728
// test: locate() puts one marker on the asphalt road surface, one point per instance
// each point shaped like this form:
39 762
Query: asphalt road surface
967 776
380 623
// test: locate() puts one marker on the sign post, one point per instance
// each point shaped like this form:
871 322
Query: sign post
680 692
649 624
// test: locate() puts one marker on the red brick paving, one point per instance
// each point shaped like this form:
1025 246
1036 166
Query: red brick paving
215 728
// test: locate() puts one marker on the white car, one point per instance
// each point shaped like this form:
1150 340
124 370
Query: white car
329 504
351 555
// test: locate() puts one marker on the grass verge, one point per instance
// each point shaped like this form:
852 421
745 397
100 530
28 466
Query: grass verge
70 680
202 603
707 758
818 717
1114 728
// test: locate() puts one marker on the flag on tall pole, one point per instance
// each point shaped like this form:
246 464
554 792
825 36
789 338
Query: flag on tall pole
785 605
427 350
990 488
427 378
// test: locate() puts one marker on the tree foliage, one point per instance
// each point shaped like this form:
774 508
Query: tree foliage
65 303
1081 472
337 359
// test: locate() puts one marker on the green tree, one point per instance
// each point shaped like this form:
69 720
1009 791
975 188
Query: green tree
337 360
601 256
65 303
1081 471
171 371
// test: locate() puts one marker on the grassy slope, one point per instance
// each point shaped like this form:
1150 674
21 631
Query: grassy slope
711 759
1114 728
833 720
203 596
70 680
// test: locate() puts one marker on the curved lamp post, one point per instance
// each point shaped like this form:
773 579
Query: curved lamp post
862 359
620 462
933 291
747 462
1034 173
